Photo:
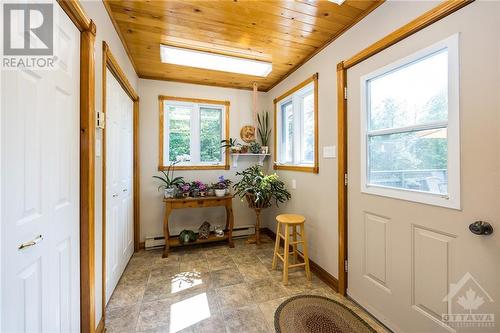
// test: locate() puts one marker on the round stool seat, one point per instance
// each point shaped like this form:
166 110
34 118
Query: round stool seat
290 218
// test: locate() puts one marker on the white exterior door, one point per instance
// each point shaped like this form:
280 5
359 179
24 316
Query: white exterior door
40 191
423 163
119 171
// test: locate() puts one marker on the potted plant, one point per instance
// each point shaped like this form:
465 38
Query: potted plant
231 144
244 149
261 191
264 131
255 147
170 183
222 186
185 189
198 188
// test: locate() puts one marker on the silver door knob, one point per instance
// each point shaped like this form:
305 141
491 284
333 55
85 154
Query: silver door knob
115 195
30 243
125 190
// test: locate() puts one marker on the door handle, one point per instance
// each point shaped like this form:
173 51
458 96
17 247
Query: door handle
481 228
125 190
30 243
115 195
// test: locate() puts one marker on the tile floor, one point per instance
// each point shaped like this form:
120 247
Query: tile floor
208 289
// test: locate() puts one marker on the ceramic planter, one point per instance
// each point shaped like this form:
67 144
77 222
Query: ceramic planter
220 192
169 192
265 149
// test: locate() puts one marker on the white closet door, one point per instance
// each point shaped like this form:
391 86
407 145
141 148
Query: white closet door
41 191
119 168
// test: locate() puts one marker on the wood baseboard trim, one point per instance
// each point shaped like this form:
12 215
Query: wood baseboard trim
326 277
142 245
101 327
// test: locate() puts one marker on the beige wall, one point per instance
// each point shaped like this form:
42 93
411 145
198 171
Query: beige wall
105 31
151 199
316 195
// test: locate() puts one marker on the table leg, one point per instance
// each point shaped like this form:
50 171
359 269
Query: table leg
166 234
230 222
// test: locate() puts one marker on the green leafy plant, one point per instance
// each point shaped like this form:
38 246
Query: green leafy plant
263 130
168 178
259 189
231 143
255 147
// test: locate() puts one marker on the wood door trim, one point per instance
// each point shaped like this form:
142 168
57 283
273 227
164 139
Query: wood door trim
75 12
87 29
428 18
110 62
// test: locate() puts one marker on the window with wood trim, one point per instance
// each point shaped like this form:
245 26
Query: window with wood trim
296 128
410 118
191 131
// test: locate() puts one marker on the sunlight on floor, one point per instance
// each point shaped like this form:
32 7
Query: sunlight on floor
185 280
188 312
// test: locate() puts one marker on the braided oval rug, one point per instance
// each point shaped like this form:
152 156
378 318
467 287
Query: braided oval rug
317 314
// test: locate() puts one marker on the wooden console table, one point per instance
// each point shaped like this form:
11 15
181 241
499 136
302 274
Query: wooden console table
199 202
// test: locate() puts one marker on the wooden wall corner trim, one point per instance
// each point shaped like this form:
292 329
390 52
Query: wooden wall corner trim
120 35
101 327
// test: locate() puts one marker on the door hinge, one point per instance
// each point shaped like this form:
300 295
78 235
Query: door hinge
345 265
345 179
345 92
100 119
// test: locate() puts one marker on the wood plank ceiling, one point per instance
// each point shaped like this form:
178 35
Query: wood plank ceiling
284 32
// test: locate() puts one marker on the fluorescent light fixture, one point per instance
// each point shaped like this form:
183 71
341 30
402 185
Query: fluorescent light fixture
338 2
217 62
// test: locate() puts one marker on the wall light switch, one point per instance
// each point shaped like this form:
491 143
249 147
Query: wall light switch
294 184
329 152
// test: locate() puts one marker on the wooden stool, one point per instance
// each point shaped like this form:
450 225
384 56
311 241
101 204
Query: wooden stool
292 221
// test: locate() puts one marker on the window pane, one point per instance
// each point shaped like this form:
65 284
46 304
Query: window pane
412 160
210 134
307 137
180 133
287 132
410 95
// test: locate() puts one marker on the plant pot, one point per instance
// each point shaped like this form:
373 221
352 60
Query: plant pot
203 194
235 150
185 194
228 191
195 193
265 149
220 192
211 192
169 192
244 149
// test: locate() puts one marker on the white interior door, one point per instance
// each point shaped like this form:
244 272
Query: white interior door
40 191
423 164
119 171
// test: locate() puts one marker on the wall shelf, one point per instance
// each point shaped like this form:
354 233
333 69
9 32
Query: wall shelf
235 158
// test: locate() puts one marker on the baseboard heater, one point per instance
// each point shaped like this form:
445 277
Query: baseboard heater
154 242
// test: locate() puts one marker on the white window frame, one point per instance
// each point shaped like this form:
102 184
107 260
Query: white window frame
195 132
452 199
297 111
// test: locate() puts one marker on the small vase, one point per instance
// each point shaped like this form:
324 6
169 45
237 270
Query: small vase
169 192
265 149
220 192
